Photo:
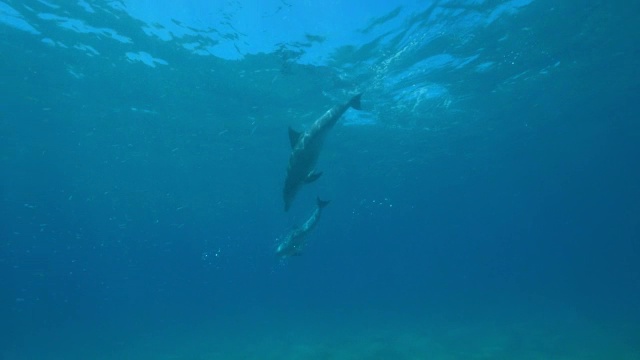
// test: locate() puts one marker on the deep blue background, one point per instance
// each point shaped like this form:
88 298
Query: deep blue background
143 198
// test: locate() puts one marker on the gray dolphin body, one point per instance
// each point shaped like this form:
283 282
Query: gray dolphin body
306 149
294 242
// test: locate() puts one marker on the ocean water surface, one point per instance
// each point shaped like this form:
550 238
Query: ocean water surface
484 203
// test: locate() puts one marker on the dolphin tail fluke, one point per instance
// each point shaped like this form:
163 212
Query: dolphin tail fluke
322 203
355 102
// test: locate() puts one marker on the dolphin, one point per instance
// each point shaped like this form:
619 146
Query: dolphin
305 149
293 243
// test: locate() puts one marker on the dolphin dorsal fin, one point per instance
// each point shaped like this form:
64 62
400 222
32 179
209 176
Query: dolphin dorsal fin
321 203
294 137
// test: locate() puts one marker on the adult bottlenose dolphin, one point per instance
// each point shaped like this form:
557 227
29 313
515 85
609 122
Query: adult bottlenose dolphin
294 242
305 149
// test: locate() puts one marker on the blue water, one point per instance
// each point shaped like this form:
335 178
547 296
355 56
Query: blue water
485 203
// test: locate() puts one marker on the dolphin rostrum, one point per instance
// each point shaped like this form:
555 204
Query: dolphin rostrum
294 242
306 149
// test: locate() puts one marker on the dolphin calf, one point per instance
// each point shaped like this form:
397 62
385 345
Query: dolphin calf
305 149
293 243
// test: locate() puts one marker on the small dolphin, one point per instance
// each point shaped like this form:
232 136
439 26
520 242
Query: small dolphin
306 149
296 240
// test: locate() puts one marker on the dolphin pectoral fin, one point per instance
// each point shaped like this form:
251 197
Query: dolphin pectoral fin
355 102
294 137
313 176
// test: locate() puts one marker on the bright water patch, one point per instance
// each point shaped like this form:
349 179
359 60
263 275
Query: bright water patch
48 4
87 49
81 27
51 42
145 58
508 8
358 119
11 17
86 6
485 66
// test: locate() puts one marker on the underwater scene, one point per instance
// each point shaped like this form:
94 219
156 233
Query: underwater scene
323 180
